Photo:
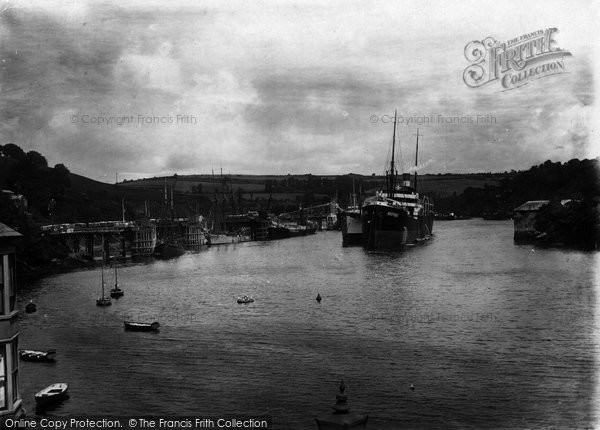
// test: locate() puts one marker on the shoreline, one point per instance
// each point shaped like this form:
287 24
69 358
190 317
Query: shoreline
31 275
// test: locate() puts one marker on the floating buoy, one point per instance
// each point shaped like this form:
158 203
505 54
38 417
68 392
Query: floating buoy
318 297
31 307
412 387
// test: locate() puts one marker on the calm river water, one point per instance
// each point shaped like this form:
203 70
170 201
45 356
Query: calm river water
491 334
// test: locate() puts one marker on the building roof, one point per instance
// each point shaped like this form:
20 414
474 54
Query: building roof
6 231
532 205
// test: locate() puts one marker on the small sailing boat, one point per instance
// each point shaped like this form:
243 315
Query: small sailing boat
103 300
116 292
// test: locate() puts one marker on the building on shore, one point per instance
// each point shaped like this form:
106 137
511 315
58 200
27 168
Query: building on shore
10 399
524 217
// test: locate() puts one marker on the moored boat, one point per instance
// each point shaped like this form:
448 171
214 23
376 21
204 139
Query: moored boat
103 300
52 394
169 249
331 221
278 231
39 356
281 230
397 215
138 326
31 307
446 216
351 221
116 292
224 238
245 299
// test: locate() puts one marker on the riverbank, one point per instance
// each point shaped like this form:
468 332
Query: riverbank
29 274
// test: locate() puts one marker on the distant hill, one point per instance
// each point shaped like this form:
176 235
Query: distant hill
56 195
306 188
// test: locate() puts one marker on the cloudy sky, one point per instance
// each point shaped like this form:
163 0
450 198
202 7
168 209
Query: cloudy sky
156 87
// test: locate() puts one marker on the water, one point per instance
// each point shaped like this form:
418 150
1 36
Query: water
491 334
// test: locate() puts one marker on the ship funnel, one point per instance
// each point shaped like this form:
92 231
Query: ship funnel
406 179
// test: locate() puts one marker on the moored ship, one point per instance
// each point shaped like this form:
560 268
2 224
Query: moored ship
396 216
351 227
169 249
279 230
351 221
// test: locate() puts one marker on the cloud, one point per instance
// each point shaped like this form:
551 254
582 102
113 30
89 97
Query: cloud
280 88
150 72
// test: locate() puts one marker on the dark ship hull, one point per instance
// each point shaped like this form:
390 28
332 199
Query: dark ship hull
283 232
278 232
168 250
387 227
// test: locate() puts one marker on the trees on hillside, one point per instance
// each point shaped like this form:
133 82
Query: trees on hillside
29 174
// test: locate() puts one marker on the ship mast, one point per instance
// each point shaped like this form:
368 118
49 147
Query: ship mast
392 174
416 160
103 277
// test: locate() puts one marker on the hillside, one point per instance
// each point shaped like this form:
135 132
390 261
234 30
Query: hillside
56 195
289 190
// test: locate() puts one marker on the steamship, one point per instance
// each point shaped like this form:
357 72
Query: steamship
396 216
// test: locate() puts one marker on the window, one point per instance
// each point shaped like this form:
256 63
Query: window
15 372
3 261
12 280
3 377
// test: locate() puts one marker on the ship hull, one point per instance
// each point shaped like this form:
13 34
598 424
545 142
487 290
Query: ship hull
285 231
278 232
351 229
168 250
386 227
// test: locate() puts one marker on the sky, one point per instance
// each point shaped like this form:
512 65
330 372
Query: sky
156 88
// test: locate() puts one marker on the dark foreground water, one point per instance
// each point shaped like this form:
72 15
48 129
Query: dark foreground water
491 334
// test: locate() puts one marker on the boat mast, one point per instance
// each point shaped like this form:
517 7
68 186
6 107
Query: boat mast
165 208
172 208
102 279
223 204
416 160
116 278
166 191
392 174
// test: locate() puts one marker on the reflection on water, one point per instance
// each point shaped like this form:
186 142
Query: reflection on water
491 334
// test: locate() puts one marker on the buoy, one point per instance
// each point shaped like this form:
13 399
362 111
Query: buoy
31 307
412 387
318 297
